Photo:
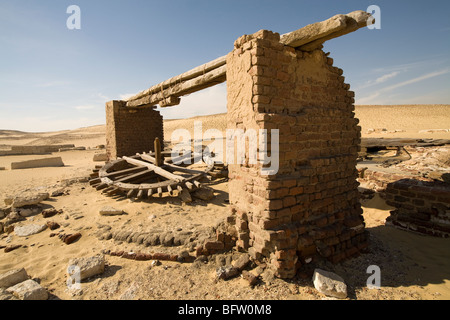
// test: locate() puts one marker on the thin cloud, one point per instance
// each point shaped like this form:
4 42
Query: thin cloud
381 79
386 77
418 79
369 99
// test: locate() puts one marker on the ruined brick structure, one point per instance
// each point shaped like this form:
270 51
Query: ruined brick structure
311 206
131 130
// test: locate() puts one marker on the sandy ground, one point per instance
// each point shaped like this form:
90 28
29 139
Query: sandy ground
412 266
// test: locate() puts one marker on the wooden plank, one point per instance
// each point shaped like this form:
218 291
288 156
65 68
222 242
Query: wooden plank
158 159
123 172
157 170
140 194
134 176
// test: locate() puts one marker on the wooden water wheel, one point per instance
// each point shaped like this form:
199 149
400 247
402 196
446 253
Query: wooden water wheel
149 174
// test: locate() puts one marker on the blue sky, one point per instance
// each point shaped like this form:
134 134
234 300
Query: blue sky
53 78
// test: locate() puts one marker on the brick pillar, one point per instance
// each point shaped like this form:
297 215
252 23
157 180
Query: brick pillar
310 208
131 130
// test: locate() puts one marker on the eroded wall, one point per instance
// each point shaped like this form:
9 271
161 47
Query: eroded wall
131 130
310 207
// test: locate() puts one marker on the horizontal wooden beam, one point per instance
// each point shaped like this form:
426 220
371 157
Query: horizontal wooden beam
169 91
312 36
308 38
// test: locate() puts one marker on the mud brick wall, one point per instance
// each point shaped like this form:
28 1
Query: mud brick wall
310 208
380 180
420 206
131 130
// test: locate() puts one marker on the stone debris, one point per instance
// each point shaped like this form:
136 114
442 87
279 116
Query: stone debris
13 277
226 273
28 290
100 157
28 211
250 277
38 163
110 211
69 238
52 225
29 200
28 230
88 267
47 213
330 284
12 248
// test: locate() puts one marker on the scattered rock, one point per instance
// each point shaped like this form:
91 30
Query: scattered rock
204 193
28 211
29 290
57 193
13 277
4 211
47 213
100 157
185 196
28 230
13 247
330 284
52 225
22 201
69 238
4 295
90 266
250 277
110 211
156 263
226 272
242 262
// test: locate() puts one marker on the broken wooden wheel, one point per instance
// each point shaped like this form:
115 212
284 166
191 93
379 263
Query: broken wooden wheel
149 174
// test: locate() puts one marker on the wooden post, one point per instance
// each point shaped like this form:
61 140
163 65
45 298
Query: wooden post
158 161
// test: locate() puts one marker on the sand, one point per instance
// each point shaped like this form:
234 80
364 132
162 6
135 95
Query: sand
412 266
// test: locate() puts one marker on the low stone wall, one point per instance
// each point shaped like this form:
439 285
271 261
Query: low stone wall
38 163
420 206
22 150
379 180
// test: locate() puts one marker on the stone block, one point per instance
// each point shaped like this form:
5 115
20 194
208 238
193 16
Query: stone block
38 163
88 267
13 277
330 284
28 290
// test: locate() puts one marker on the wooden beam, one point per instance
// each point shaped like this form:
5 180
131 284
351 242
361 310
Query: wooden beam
157 170
314 35
134 176
153 97
191 74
